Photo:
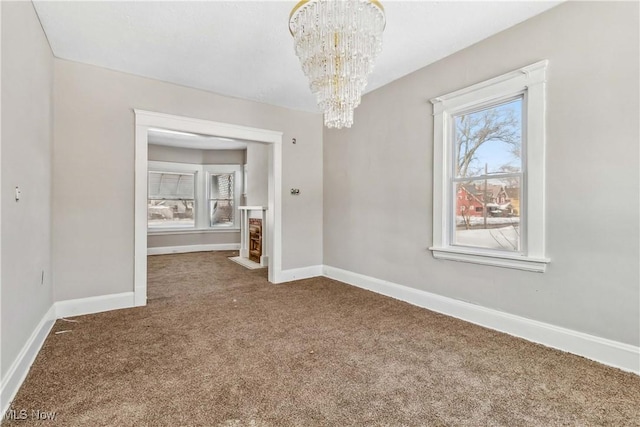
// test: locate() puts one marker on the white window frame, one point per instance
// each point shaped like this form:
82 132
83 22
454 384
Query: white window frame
237 191
201 194
530 81
172 167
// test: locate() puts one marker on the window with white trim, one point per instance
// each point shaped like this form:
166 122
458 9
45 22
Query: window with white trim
488 195
221 200
171 199
185 197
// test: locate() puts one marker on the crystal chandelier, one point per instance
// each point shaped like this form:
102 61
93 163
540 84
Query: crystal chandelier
337 42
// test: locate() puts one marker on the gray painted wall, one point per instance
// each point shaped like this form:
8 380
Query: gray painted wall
194 156
163 153
185 239
378 175
27 69
257 177
94 137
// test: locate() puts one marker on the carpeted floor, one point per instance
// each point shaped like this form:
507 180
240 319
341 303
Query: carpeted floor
218 346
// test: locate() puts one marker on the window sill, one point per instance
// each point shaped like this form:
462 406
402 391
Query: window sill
518 262
169 231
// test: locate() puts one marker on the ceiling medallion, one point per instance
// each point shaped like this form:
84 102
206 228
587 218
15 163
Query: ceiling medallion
337 42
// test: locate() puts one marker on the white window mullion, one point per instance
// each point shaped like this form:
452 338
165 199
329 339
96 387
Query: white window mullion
201 205
535 154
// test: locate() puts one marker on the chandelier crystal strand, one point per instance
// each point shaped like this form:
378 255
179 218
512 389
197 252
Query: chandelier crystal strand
337 42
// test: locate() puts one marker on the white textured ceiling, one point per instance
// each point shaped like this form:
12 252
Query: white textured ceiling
243 49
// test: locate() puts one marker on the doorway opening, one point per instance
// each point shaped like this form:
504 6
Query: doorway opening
146 121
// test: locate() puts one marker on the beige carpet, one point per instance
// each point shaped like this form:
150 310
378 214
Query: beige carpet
218 346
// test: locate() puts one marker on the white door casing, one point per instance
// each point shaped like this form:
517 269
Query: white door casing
145 120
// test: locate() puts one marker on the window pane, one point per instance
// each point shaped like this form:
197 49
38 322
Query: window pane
171 200
489 140
222 212
487 213
170 185
221 194
170 213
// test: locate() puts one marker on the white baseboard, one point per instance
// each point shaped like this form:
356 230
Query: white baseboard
608 352
164 250
20 367
299 273
82 306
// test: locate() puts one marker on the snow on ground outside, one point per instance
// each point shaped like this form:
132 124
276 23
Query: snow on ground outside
493 238
478 220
